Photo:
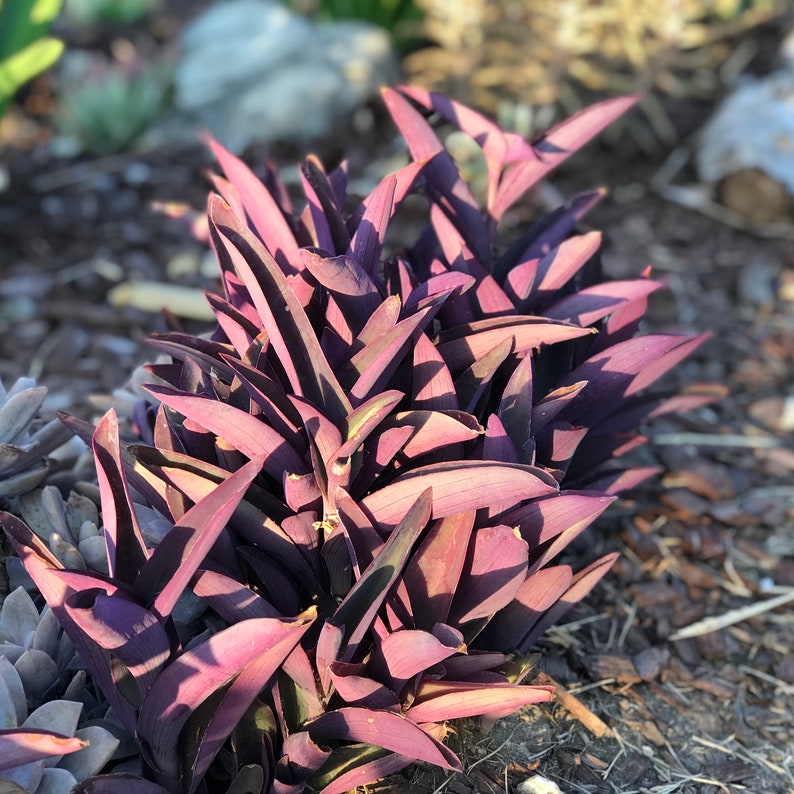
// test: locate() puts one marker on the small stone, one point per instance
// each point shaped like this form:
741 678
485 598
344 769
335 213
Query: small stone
537 784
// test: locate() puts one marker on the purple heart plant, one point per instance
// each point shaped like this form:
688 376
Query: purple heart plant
369 469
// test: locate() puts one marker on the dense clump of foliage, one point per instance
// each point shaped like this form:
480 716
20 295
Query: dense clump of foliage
365 474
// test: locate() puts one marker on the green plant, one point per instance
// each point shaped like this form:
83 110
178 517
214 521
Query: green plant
25 48
368 470
402 18
115 11
105 107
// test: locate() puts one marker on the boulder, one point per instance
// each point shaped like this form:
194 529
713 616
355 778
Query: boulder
253 71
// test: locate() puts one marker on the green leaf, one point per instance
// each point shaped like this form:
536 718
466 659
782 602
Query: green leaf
24 65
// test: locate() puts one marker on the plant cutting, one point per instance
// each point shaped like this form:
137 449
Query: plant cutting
368 470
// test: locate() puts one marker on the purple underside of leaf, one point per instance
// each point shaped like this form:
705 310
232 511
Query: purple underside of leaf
486 296
364 773
284 319
458 486
230 599
120 625
497 445
473 663
498 147
594 303
474 380
44 568
244 432
457 700
433 573
357 689
462 346
126 549
323 205
363 541
441 176
238 329
495 569
171 565
323 433
537 594
20 746
555 146
196 674
546 410
367 243
360 605
406 653
384 729
194 477
621 371
261 207
182 347
235 602
371 367
256 524
434 429
433 388
237 699
351 285
557 268
449 282
582 583
544 519
271 399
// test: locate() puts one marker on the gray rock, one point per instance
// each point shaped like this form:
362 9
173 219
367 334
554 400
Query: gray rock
752 129
233 45
251 70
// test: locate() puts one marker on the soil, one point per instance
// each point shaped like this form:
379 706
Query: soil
712 534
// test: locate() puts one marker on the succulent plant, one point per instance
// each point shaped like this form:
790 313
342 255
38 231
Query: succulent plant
68 527
42 749
24 440
105 106
369 470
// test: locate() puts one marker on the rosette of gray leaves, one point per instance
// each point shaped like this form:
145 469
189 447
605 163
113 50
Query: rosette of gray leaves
69 527
35 655
23 445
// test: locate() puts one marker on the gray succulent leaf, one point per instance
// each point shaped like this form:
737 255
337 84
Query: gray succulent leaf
10 651
47 635
56 781
26 777
13 702
18 410
38 672
27 480
67 527
84 763
60 716
15 456
19 618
